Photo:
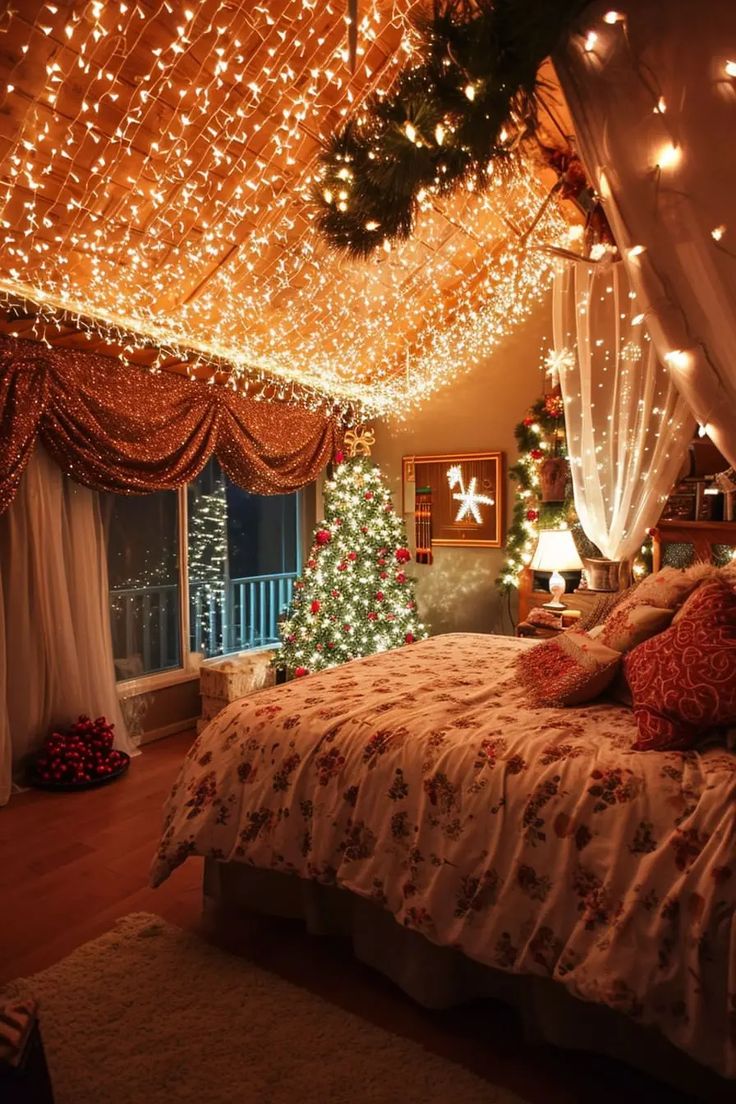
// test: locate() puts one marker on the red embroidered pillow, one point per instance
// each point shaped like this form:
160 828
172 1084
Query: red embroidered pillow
629 626
567 670
683 682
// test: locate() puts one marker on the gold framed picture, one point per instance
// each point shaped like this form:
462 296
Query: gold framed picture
462 497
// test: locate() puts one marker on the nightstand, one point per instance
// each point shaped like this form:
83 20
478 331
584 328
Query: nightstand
570 618
540 632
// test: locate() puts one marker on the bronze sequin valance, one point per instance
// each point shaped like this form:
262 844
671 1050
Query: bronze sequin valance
126 430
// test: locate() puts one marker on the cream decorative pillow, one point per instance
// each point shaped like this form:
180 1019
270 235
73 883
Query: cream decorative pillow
568 670
629 625
668 588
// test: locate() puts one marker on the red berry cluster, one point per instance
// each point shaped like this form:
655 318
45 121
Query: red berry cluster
81 753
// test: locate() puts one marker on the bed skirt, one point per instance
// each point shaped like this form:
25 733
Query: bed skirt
439 977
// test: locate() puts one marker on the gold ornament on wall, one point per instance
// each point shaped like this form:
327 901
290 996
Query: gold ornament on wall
359 441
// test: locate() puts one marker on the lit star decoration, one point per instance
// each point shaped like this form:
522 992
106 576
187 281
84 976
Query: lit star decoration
558 361
470 501
155 193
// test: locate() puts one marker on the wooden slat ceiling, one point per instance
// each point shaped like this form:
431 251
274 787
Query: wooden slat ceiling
155 164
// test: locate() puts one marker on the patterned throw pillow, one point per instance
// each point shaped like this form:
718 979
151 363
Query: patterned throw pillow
683 682
668 588
629 626
569 669
602 608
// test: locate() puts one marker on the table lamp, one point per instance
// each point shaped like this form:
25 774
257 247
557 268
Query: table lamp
556 552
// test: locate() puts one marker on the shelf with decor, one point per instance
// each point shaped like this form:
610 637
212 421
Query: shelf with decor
703 536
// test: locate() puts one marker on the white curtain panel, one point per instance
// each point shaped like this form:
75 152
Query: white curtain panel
651 87
58 646
628 428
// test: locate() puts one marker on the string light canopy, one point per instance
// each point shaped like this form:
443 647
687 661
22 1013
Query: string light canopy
156 168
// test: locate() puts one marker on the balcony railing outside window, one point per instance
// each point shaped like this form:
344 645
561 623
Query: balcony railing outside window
243 614
207 569
145 629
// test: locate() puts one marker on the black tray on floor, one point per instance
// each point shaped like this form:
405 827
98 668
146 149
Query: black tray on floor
68 787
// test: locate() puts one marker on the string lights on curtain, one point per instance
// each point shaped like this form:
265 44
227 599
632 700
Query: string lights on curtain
652 92
156 194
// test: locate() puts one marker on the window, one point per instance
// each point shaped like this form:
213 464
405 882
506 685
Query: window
143 569
242 555
243 559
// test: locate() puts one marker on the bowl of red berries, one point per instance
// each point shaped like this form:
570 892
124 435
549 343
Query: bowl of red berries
79 757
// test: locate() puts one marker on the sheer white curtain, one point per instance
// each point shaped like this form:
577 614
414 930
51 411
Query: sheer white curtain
58 650
652 94
627 427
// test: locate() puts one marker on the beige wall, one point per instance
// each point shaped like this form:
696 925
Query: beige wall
478 411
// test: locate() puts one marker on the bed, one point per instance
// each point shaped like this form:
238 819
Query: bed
527 841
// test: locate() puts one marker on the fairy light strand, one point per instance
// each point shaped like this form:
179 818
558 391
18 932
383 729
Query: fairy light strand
157 187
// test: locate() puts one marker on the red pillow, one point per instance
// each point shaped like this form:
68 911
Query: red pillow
683 681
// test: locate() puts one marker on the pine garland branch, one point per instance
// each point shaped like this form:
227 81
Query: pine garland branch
455 117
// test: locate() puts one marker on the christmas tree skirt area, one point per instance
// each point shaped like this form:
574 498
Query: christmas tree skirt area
151 1013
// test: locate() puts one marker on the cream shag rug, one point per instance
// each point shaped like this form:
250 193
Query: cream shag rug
150 1014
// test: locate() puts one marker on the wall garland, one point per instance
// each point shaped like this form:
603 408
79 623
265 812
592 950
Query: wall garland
540 435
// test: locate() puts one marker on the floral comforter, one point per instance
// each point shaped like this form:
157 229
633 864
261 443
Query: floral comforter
534 840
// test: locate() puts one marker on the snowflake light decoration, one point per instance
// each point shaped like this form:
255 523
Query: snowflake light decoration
469 499
558 361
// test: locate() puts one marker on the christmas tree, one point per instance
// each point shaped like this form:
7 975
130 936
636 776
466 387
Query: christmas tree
354 597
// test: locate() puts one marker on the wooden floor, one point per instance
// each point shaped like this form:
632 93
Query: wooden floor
71 864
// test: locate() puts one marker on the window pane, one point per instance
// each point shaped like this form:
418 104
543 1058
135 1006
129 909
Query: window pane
143 566
243 560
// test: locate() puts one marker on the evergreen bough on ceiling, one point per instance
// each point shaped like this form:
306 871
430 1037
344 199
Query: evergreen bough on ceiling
446 122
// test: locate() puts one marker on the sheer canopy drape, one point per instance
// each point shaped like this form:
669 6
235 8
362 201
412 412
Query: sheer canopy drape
627 426
57 648
652 94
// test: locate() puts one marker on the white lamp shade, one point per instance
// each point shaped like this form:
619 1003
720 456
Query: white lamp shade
556 551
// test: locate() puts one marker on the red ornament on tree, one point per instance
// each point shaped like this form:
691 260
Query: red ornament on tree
352 556
300 672
379 596
528 421
403 555
339 456
409 638
536 454
315 606
532 515
323 536
368 496
400 577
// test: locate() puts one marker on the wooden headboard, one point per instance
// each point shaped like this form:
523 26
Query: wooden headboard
701 534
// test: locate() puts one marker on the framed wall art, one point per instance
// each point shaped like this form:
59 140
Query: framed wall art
457 500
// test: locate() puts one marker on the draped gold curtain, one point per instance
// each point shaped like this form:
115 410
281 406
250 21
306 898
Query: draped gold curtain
129 431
